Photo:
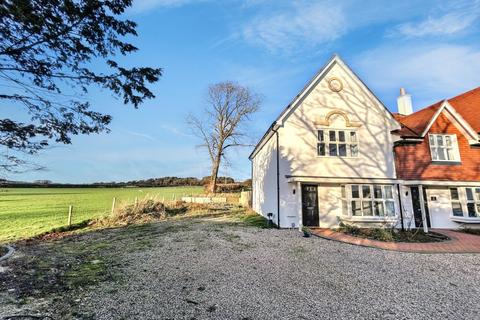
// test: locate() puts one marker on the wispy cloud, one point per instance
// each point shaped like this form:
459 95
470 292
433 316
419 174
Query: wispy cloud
303 26
432 71
141 135
175 130
458 19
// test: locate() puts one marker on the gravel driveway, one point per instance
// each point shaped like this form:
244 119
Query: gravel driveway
205 269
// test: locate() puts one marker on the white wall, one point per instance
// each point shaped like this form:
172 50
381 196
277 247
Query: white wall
440 209
330 205
298 135
264 180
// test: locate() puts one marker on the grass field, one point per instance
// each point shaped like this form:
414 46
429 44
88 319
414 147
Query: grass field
26 212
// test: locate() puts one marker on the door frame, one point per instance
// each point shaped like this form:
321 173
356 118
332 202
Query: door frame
317 206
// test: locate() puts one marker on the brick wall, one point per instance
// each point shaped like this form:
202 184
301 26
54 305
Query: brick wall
414 162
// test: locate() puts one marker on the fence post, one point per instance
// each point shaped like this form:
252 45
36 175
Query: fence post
70 211
113 204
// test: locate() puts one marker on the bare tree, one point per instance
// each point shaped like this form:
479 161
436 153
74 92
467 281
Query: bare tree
221 125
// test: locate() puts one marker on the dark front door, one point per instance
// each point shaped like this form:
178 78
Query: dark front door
417 209
310 216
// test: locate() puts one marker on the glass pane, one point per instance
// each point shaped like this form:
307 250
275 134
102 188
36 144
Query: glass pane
477 193
448 141
432 140
321 137
366 193
342 150
390 208
332 149
367 208
470 194
450 155
353 150
440 140
471 210
341 136
333 136
353 136
478 209
434 154
344 208
355 191
356 209
457 209
454 193
441 154
388 192
321 149
378 206
377 192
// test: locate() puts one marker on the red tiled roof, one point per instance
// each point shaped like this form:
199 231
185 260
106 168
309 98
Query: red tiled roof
467 105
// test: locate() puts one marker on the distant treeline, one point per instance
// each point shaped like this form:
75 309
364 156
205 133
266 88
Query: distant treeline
153 182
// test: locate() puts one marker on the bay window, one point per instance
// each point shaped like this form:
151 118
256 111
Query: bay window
473 202
369 200
456 203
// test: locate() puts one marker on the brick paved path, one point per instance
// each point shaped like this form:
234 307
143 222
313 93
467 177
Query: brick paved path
460 242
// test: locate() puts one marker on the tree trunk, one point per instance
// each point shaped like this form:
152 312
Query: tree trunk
213 181
216 167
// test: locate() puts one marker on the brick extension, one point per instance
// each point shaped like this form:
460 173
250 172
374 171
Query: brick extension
459 242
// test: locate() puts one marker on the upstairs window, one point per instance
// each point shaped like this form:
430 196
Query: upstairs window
473 202
337 143
443 147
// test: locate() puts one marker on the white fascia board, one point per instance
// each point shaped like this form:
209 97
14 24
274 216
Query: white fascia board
343 180
441 183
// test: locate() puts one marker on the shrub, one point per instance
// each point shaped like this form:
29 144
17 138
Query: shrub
382 234
145 210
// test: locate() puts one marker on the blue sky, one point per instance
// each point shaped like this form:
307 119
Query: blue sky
430 47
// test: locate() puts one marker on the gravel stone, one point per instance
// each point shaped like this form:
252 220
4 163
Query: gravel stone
219 271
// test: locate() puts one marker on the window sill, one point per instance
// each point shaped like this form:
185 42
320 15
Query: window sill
447 163
369 219
465 219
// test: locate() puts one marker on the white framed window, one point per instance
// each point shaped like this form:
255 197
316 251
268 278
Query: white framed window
337 143
371 200
444 147
456 203
473 202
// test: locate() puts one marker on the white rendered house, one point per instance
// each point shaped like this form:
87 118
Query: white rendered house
329 156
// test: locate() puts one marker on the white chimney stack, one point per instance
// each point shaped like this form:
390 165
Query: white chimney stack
404 103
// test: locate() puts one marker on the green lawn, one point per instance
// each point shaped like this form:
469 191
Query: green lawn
25 212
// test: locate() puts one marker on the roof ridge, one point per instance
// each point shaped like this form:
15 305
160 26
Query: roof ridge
465 94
